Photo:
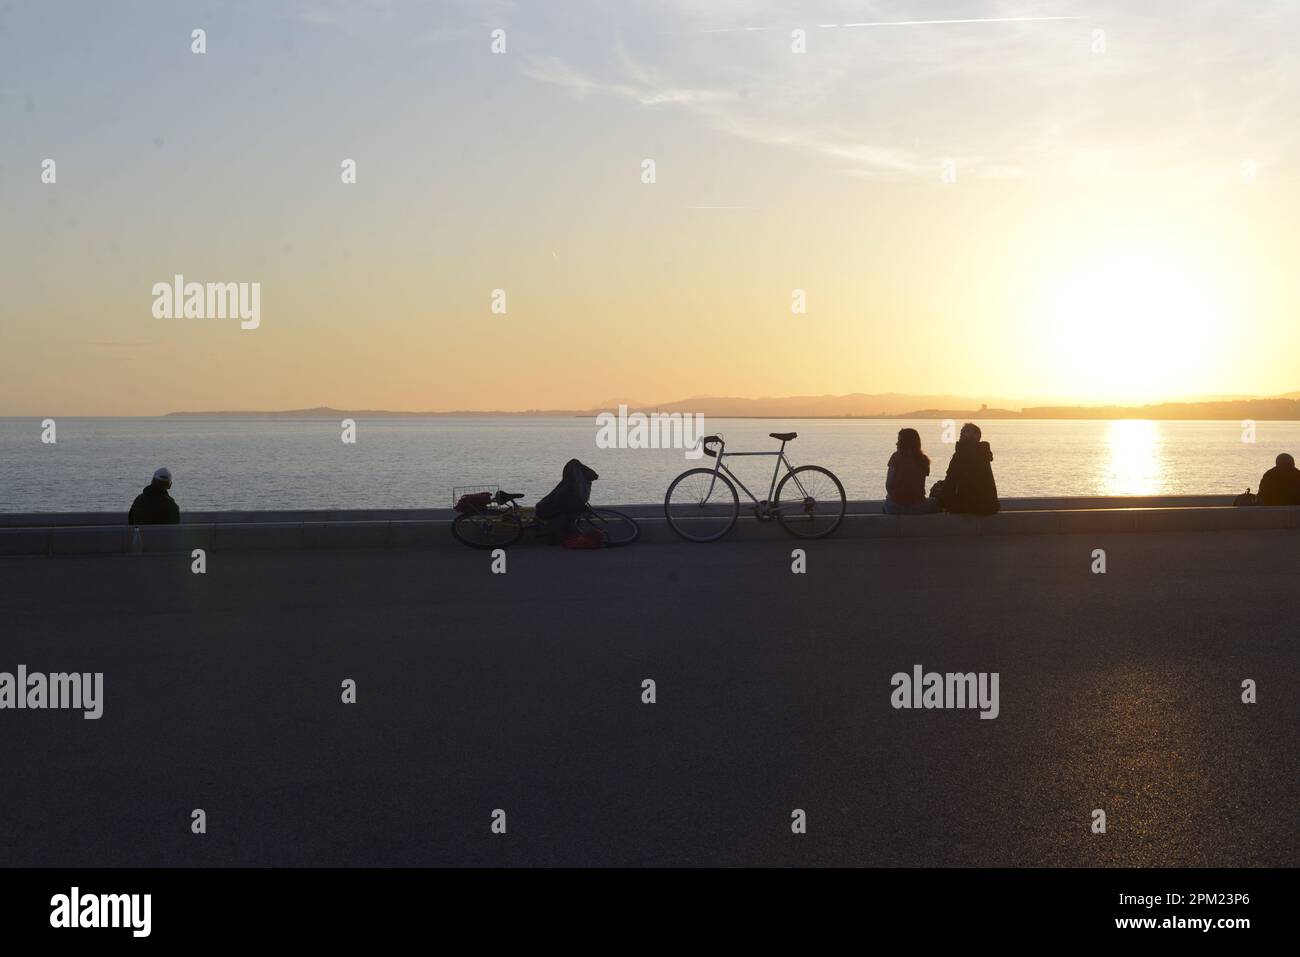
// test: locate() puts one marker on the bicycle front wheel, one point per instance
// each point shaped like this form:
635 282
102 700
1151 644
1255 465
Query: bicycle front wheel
482 530
810 502
701 505
615 528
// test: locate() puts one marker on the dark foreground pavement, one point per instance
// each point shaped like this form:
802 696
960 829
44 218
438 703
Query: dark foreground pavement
523 692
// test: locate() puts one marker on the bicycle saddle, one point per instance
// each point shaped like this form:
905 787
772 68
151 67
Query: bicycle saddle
784 436
503 497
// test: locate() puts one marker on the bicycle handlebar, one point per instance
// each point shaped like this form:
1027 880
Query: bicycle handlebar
711 438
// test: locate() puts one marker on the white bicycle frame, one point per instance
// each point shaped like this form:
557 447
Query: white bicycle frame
720 466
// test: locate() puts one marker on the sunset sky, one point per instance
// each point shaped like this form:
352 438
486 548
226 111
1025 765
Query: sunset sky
1124 222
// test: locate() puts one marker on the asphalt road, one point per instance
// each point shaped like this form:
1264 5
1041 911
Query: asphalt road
523 691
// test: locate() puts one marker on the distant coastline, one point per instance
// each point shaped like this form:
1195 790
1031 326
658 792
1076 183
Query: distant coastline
1282 408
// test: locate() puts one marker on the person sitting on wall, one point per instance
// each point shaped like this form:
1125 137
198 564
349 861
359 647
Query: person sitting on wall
969 488
561 507
1280 485
905 478
154 506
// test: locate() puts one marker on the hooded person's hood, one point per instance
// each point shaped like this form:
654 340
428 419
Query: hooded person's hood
578 478
573 469
155 488
980 450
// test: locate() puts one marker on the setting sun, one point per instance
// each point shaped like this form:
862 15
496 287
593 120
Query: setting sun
1134 322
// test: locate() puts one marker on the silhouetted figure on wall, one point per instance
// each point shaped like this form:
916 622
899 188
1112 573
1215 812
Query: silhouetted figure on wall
1280 484
561 506
969 487
154 506
905 480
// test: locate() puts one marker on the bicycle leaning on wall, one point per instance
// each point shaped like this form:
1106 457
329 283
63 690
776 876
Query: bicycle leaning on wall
702 505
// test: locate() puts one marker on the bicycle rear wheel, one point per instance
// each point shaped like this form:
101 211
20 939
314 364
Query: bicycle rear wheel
810 502
615 527
701 505
486 530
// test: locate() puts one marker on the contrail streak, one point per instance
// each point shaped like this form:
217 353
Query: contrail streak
901 23
917 23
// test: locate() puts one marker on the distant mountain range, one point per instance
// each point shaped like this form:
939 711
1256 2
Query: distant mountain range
854 405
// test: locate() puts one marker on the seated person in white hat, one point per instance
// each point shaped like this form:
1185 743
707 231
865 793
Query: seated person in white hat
154 506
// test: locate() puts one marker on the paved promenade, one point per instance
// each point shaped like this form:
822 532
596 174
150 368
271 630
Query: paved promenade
102 533
523 692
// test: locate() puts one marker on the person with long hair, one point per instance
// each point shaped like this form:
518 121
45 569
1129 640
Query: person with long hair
905 479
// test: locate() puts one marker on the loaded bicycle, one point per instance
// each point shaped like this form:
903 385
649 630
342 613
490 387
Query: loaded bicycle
702 505
492 518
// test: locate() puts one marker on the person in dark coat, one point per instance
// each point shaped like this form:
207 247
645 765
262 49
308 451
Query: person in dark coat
154 506
568 500
1280 484
968 487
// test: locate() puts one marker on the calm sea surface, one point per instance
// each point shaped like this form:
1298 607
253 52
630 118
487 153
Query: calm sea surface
100 464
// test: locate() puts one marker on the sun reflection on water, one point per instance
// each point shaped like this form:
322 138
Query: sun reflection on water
1135 458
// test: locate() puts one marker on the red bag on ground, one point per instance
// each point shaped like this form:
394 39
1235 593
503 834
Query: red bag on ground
592 539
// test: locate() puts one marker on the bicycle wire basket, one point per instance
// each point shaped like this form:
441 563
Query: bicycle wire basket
459 491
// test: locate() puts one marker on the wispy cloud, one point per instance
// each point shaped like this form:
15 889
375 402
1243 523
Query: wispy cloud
1003 89
409 19
552 69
